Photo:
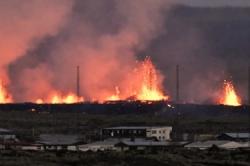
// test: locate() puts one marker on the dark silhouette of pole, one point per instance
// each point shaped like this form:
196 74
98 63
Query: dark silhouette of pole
177 84
248 85
78 81
249 98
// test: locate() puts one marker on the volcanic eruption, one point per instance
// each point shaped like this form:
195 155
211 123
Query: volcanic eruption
229 95
150 85
39 55
143 83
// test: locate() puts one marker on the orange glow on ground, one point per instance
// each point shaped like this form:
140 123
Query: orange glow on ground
58 98
116 96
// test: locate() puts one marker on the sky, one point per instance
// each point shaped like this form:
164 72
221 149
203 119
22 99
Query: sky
241 3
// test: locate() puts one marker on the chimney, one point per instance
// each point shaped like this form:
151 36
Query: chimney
177 84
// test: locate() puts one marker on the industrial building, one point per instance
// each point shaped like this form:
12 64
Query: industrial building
58 141
160 133
229 145
234 136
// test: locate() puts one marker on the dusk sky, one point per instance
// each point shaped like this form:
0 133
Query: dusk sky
216 2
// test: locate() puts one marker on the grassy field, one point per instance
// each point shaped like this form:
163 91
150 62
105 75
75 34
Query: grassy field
177 157
29 124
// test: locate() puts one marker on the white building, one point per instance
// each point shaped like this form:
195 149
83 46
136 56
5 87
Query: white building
161 133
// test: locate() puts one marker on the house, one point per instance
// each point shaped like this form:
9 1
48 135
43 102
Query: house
59 141
234 136
161 133
209 144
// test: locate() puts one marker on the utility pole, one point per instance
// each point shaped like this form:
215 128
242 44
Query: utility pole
78 81
248 85
249 99
177 84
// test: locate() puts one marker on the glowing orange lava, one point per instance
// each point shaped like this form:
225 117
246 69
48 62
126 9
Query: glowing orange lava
116 96
149 89
229 96
58 98
142 84
4 96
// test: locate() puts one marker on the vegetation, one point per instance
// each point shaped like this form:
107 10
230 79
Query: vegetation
177 157
29 124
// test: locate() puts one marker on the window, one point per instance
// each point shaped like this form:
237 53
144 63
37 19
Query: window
159 137
160 131
163 131
153 131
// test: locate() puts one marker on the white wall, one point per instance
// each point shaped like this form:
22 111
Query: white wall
161 133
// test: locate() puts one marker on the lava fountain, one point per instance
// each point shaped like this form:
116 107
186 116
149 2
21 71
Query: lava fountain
150 86
229 96
4 96
143 83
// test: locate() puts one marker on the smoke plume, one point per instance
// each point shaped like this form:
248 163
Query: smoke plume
43 41
103 38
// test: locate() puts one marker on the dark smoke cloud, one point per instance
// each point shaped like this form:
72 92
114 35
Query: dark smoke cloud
210 45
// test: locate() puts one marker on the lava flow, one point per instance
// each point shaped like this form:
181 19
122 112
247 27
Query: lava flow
4 96
57 98
229 96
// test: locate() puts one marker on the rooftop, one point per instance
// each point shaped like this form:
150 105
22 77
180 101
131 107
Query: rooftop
58 139
135 127
221 144
2 130
238 135
143 143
